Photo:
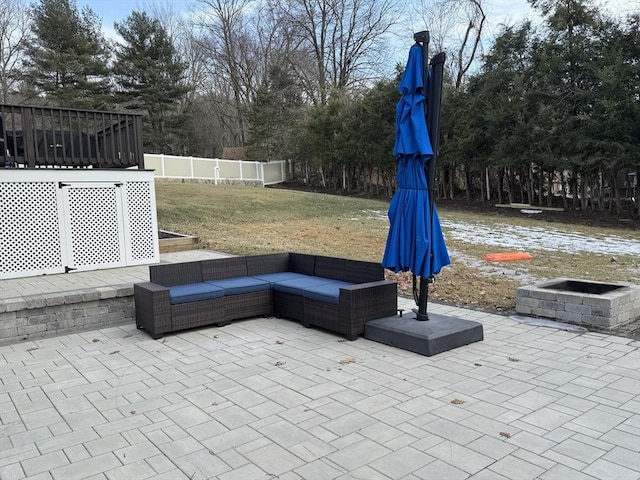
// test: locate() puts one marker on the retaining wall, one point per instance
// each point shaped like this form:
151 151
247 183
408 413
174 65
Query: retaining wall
50 314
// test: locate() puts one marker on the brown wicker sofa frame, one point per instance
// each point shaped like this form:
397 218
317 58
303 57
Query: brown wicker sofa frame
367 298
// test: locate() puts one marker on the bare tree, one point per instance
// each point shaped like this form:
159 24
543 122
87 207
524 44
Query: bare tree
455 27
226 37
345 39
14 33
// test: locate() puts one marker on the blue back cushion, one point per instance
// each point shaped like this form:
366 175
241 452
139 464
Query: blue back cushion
194 292
239 285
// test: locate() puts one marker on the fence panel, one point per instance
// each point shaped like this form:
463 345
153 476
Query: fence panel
216 170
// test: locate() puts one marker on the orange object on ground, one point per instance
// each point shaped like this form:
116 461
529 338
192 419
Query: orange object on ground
507 256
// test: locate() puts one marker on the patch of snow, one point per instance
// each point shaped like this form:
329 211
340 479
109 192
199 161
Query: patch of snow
519 238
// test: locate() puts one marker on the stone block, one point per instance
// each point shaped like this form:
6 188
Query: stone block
581 309
14 304
124 290
90 295
569 297
35 301
8 332
571 317
40 319
7 316
550 305
523 309
597 301
528 302
543 312
31 329
106 292
596 321
60 324
523 292
75 296
542 294
54 299
601 311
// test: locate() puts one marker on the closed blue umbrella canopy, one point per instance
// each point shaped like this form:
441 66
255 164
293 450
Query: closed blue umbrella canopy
412 223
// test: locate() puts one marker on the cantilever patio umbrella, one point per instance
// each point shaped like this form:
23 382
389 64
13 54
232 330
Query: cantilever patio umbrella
415 242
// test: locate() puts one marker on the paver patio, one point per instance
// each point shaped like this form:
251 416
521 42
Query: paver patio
267 398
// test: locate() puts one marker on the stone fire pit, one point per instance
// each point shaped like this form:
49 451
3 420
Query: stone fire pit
582 302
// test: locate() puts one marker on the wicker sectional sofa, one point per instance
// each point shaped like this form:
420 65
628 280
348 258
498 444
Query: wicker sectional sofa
337 294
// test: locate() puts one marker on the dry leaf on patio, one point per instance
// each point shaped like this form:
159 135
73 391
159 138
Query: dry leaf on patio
514 359
279 342
478 364
457 401
133 412
95 340
32 349
279 364
345 361
505 434
114 352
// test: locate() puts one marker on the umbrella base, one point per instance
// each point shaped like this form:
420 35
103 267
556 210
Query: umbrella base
440 334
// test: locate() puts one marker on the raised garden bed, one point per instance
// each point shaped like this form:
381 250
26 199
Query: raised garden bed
176 242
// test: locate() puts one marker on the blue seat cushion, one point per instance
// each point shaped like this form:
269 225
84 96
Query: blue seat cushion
327 292
298 286
193 292
280 276
239 285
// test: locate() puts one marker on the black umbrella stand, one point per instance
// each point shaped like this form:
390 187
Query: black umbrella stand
442 332
432 105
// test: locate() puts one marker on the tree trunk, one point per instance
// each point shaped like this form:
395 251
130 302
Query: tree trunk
541 186
530 189
564 193
452 174
467 182
584 200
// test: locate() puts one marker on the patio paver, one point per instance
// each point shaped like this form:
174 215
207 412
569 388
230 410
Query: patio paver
267 397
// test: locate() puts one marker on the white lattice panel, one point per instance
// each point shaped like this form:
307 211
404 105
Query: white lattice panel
142 231
29 229
95 226
51 220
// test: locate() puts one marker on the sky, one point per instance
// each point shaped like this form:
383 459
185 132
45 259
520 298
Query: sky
498 12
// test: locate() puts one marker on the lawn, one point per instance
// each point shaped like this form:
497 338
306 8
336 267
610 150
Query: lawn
245 220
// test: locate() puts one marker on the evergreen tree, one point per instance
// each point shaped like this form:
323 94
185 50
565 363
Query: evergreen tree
150 77
270 115
68 57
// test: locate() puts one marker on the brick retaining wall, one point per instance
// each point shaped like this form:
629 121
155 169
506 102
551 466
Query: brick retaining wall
50 314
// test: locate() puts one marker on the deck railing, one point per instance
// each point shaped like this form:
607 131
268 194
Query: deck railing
32 137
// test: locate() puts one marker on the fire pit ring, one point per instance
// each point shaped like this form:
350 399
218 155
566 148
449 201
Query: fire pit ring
583 302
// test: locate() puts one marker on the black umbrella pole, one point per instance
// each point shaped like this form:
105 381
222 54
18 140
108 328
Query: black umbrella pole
421 313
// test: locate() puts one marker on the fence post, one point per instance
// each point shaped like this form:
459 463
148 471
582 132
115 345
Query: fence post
261 171
191 165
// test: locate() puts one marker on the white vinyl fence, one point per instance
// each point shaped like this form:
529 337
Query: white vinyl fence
216 170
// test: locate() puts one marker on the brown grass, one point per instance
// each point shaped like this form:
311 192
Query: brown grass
243 220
